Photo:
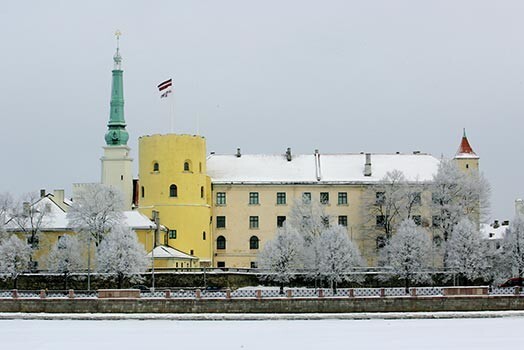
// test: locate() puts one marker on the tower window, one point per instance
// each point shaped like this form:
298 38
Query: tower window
143 190
202 192
253 198
221 242
172 234
280 221
173 191
156 167
281 197
467 166
253 222
253 242
343 220
204 235
186 166
324 197
221 198
122 177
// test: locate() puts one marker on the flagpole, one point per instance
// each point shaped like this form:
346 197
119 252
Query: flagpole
172 112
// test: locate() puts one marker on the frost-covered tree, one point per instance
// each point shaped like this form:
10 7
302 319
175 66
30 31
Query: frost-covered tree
65 257
96 210
29 215
308 217
513 248
456 195
408 253
121 255
15 256
338 256
282 256
6 207
465 253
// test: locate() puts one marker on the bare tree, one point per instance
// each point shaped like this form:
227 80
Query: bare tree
408 253
121 255
6 208
65 257
29 216
338 256
282 256
15 258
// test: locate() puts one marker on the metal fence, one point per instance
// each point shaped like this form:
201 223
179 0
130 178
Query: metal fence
254 293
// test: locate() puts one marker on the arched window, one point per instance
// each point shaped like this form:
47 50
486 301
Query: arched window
143 191
253 242
221 242
204 235
173 191
187 165
156 167
202 192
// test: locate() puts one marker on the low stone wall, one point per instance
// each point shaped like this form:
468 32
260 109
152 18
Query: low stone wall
276 305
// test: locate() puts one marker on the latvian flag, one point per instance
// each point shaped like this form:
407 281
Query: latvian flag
165 87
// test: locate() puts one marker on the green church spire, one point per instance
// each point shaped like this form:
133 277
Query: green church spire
116 134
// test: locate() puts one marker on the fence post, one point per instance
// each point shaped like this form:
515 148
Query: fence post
517 290
259 294
198 294
168 294
382 292
15 293
321 293
413 292
42 293
351 293
228 293
71 294
289 293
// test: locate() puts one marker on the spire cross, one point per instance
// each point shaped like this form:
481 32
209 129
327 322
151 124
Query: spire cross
118 33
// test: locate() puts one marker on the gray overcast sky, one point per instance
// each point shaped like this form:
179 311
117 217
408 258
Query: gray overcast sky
340 76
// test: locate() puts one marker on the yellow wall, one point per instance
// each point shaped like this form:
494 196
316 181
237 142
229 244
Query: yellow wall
467 164
188 213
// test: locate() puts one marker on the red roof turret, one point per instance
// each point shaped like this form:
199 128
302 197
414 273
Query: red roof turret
465 150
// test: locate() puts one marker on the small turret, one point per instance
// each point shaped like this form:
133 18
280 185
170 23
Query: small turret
466 159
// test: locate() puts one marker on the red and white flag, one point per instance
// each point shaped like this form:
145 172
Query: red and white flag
164 85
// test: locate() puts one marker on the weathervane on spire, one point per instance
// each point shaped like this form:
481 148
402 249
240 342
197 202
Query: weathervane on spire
117 58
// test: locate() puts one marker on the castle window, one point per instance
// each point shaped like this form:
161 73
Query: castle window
156 167
186 166
221 198
342 198
253 242
417 199
221 242
143 190
253 222
380 198
380 242
200 167
202 192
381 221
343 220
281 198
204 235
280 221
221 264
221 222
324 197
253 198
172 234
173 191
306 197
254 265
467 166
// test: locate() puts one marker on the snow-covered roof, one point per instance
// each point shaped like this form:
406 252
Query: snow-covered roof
56 219
165 252
317 168
487 231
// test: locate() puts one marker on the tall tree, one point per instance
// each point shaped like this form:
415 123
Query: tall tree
513 248
15 257
338 256
282 256
6 207
408 253
465 253
65 257
456 195
121 255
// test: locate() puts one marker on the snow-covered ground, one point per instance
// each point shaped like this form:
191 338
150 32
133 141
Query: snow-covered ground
478 334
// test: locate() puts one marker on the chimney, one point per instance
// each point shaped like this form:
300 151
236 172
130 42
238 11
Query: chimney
42 193
416 152
367 166
59 195
496 224
318 170
288 154
238 153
